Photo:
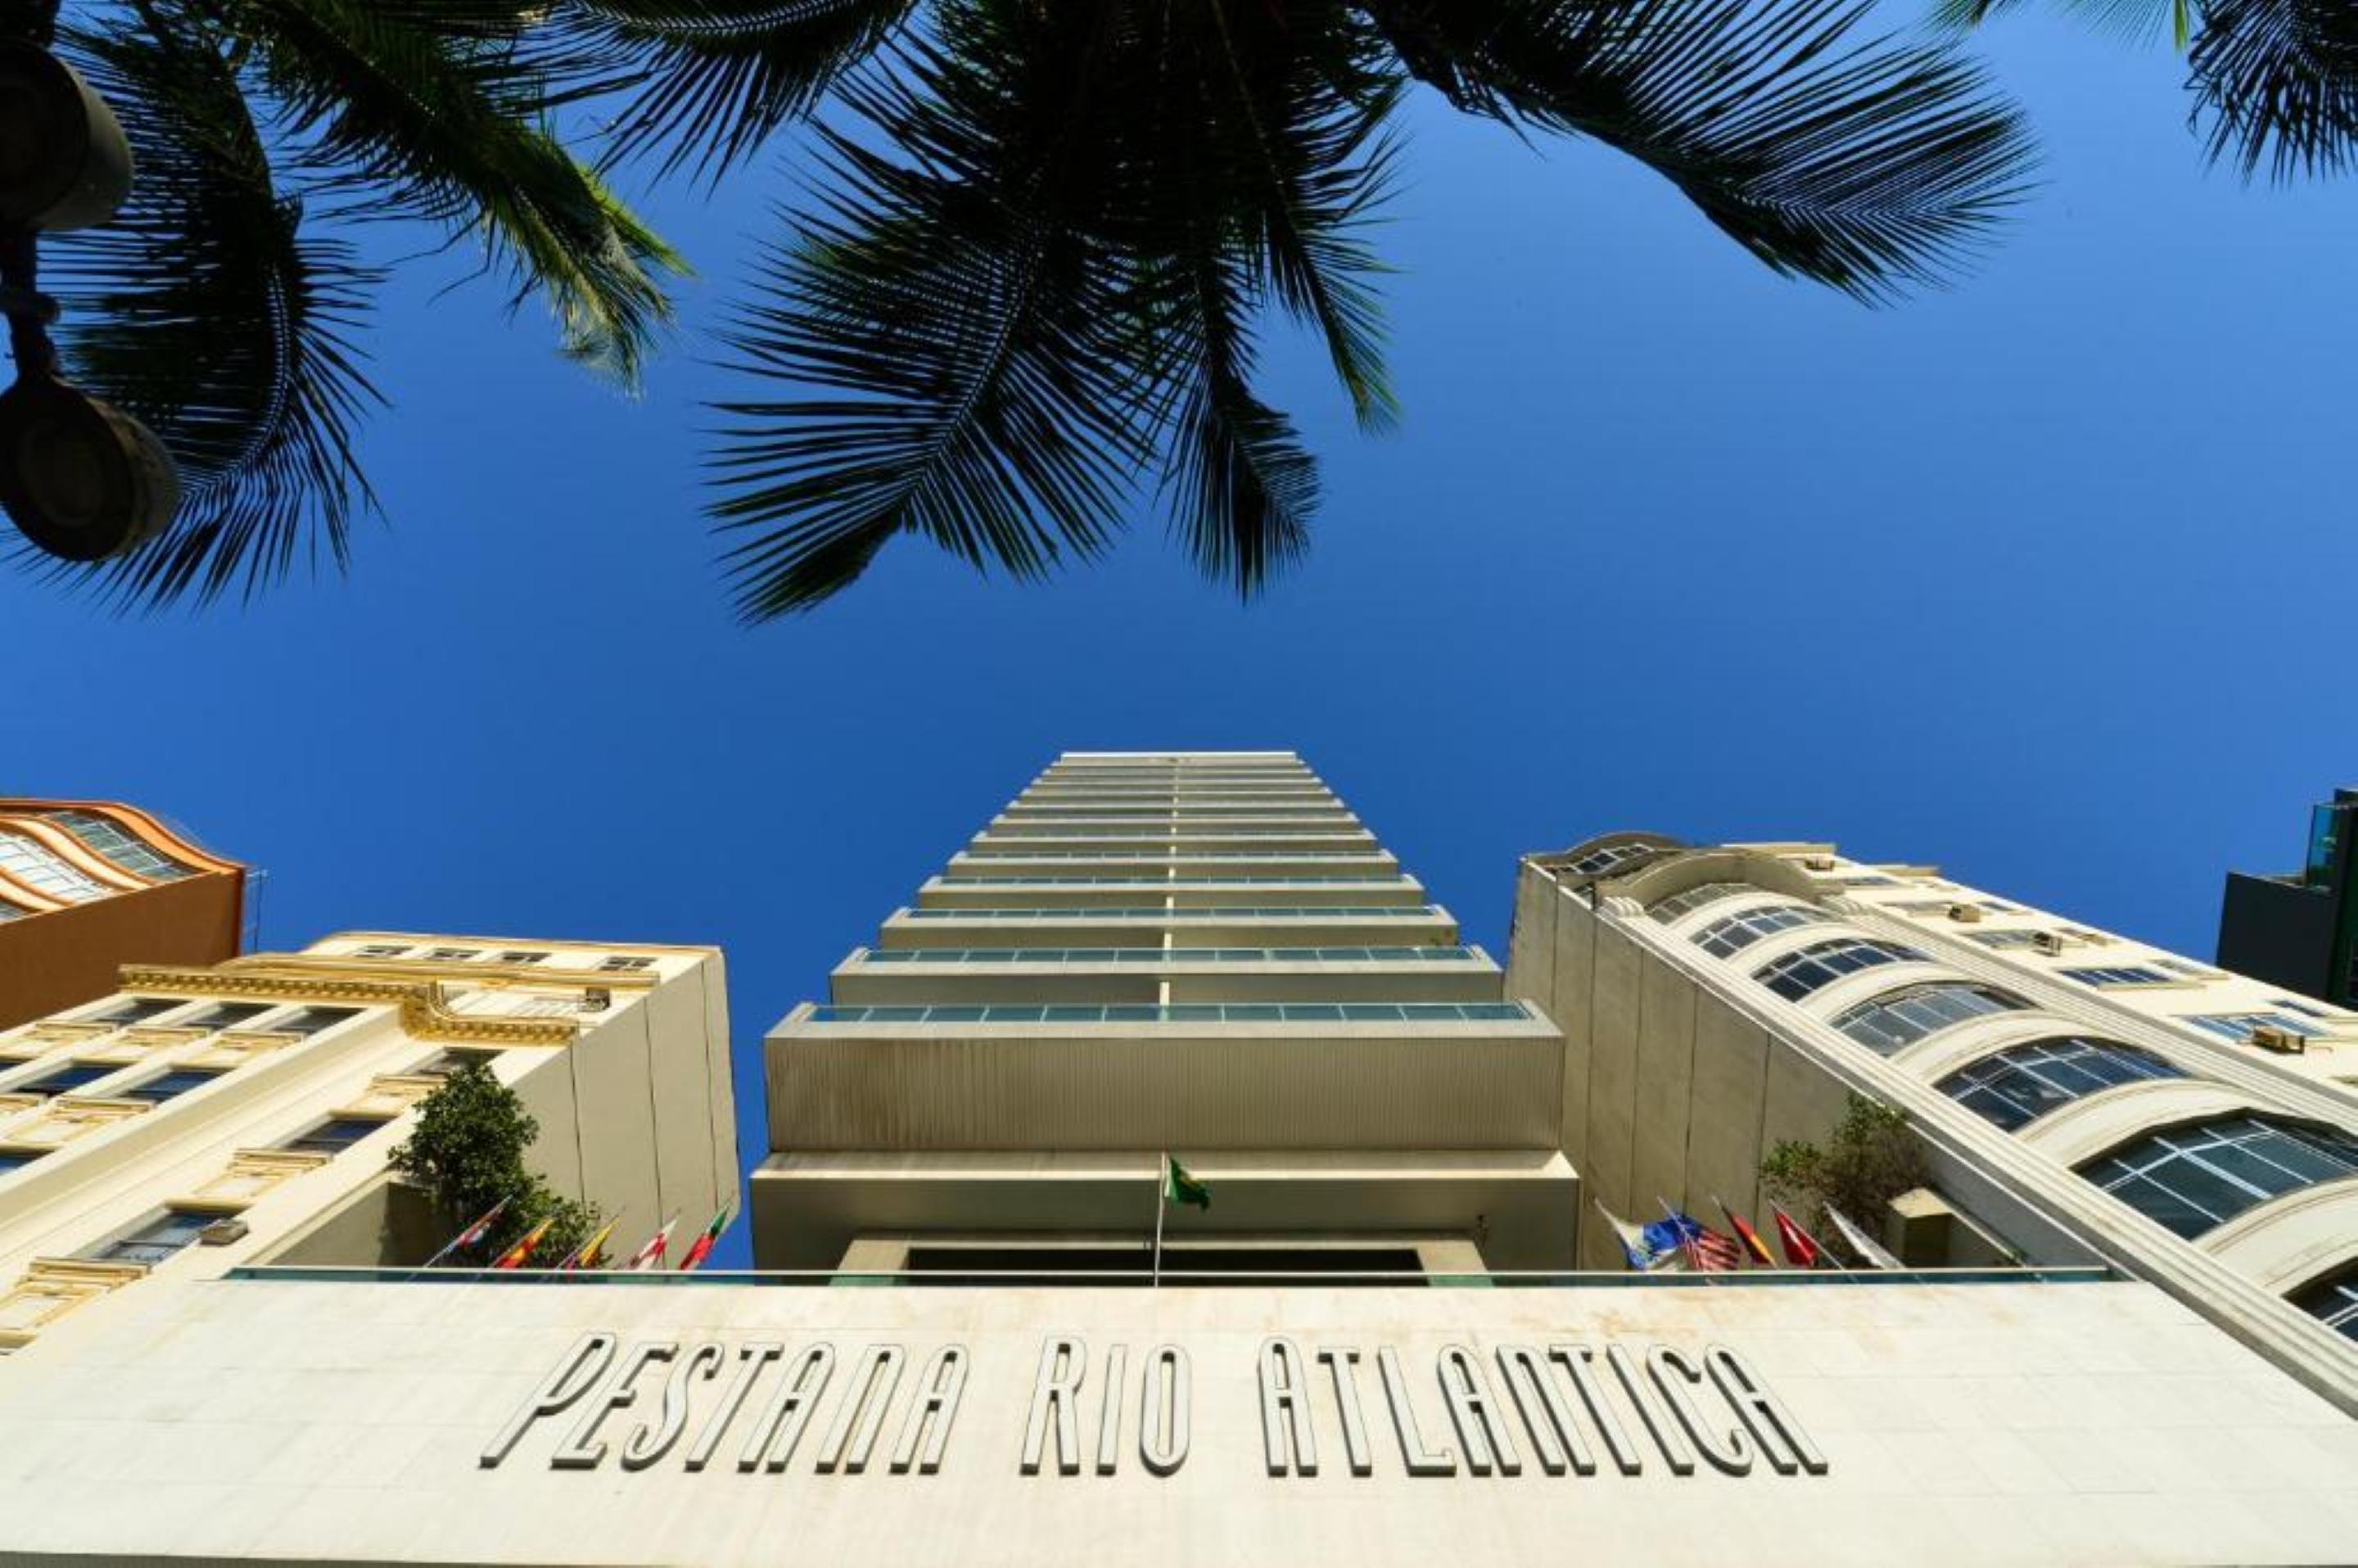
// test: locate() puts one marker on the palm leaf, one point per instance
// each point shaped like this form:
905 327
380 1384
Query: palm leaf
436 124
204 310
708 82
1868 165
963 337
2278 81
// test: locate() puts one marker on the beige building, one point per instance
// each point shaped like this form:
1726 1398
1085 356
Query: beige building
1199 952
2083 1097
209 1116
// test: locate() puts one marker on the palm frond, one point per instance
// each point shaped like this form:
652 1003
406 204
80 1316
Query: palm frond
410 119
1865 163
205 310
706 82
962 334
2277 80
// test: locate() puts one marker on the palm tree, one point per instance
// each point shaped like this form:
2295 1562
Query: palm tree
2274 82
222 307
1043 236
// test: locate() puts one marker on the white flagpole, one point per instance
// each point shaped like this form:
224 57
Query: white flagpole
1162 1173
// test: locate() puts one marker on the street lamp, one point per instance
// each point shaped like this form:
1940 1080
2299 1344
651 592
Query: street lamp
82 480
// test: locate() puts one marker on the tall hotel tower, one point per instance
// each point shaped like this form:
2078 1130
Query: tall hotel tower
1203 954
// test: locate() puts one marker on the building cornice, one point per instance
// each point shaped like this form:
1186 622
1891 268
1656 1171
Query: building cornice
425 1014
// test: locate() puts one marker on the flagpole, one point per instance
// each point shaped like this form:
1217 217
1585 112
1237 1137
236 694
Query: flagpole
452 1245
1162 1175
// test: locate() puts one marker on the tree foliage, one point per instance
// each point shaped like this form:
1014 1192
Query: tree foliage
468 1152
1870 1158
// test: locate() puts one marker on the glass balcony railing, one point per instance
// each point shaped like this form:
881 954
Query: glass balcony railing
1197 915
1183 1012
1171 1277
1168 955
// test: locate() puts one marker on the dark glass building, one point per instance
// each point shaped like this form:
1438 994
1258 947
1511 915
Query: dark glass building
2299 929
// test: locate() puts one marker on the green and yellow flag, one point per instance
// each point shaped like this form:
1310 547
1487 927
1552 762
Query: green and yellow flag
1178 1186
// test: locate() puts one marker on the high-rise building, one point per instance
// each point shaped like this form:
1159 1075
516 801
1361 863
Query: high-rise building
87 885
207 1117
2083 1097
1199 953
2298 930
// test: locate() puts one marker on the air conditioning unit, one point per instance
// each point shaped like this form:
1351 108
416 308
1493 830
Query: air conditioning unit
597 998
224 1232
2048 941
2283 1041
1967 914
1819 863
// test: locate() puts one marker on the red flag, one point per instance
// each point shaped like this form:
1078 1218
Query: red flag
1750 1236
1709 1251
515 1256
703 1248
650 1254
1800 1250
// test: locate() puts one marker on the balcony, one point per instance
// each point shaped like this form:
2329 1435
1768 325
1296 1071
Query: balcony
1130 975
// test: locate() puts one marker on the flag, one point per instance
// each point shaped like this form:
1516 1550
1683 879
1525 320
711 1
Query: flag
592 1251
1753 1245
1801 1250
702 1248
1708 1249
1180 1187
1657 1248
651 1252
471 1234
517 1255
1870 1252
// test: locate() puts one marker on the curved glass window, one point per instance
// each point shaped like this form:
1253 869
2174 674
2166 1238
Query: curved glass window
1685 903
1735 933
9 911
2195 1178
119 846
2334 1302
1600 860
40 869
1899 1019
1796 975
2024 1083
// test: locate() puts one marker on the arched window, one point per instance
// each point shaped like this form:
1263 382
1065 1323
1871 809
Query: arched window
1733 932
1796 975
2194 1179
1599 861
1692 899
1899 1019
2024 1083
118 846
2333 1301
40 869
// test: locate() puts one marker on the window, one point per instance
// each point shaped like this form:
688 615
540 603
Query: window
155 1239
66 1079
444 1063
1599 861
1796 975
222 1015
1679 903
2024 1083
41 869
10 911
310 1020
16 1159
454 955
620 965
519 956
2118 975
380 951
2018 937
2180 967
2307 1009
332 1136
1869 880
131 1010
1900 1018
2238 1026
2192 1179
119 848
171 1085
1733 932
2334 1302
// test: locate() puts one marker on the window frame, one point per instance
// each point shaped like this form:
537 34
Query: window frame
1783 975
1997 1076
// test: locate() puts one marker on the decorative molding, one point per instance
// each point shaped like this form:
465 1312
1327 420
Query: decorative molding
425 1014
250 1173
52 1287
490 977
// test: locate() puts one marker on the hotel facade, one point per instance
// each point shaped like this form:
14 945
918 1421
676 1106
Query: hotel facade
962 1343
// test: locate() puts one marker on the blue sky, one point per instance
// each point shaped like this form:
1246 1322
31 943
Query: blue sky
2042 579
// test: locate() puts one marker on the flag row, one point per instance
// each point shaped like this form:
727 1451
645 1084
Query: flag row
591 1254
1679 1241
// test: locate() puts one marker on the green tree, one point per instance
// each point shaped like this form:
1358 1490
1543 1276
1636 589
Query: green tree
468 1152
2274 83
1870 1158
222 307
